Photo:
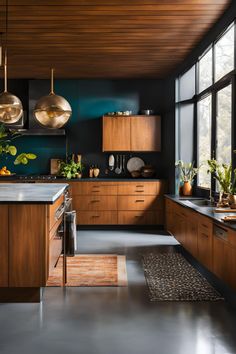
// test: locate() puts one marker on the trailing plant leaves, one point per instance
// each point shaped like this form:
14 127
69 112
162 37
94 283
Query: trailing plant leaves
24 158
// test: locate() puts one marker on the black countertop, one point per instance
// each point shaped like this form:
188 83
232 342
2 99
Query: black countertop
208 211
85 179
36 193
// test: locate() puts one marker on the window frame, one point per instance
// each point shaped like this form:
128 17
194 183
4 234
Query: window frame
227 79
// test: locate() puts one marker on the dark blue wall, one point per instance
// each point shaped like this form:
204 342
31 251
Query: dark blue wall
90 99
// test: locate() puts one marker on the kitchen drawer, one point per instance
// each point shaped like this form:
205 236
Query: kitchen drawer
93 188
55 250
205 226
137 188
140 218
148 202
53 210
97 218
94 203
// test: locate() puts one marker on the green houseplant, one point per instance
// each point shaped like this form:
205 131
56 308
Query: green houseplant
187 172
222 173
8 148
71 169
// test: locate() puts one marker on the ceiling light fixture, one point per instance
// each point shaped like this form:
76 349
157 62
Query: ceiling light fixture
11 109
52 111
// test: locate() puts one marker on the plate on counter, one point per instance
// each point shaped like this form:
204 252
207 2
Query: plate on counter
135 164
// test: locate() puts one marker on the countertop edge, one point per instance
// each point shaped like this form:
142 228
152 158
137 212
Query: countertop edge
200 210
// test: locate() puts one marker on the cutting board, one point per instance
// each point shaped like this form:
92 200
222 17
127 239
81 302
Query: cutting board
224 210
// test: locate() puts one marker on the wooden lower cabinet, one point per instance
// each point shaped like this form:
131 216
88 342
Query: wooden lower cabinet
140 218
213 245
147 202
97 217
205 229
118 203
4 249
95 203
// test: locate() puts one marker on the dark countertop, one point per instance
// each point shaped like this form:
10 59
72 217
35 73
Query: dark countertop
204 210
111 179
85 179
36 193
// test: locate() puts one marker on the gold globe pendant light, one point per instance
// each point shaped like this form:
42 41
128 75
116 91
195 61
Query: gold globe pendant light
11 109
52 111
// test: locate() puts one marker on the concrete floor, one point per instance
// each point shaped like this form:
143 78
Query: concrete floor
116 320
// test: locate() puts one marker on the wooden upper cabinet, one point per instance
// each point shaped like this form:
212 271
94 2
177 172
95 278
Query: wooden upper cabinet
133 133
116 134
146 133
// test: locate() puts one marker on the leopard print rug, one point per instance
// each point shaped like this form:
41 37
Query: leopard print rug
171 278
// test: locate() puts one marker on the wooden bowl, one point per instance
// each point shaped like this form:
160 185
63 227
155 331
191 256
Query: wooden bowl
135 174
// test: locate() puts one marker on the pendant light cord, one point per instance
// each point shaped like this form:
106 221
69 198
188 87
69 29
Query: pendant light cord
52 82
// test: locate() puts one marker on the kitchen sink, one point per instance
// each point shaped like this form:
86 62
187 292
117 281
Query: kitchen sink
201 202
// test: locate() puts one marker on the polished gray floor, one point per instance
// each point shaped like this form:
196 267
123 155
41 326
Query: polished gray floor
116 320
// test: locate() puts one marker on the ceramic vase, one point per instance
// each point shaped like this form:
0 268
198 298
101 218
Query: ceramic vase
187 188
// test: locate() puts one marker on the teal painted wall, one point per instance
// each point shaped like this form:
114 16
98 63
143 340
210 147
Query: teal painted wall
90 99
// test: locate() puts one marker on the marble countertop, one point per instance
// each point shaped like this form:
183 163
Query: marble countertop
208 211
27 193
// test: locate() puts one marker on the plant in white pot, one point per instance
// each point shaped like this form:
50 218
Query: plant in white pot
222 173
187 172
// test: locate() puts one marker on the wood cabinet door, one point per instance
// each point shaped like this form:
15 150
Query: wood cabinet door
116 134
205 242
145 133
4 246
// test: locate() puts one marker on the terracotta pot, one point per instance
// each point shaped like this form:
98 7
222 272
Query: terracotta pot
232 201
187 188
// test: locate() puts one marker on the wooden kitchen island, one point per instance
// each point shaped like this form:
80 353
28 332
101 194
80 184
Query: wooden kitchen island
30 215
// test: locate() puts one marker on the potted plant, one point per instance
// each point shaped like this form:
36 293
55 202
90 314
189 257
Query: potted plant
71 169
222 173
187 173
8 148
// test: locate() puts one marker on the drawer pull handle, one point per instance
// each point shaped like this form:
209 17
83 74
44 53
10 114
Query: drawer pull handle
204 225
98 191
95 201
139 201
139 186
205 235
95 216
139 191
138 216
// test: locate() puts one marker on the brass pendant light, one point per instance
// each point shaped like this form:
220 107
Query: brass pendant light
52 111
11 109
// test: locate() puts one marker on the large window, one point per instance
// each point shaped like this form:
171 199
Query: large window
205 71
224 124
224 54
205 107
204 140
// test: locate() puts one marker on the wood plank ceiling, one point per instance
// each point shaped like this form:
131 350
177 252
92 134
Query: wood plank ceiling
104 38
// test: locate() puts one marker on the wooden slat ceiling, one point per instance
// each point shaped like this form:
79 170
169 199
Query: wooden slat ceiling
104 38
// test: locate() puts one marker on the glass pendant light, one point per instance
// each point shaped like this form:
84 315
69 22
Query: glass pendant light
52 111
11 109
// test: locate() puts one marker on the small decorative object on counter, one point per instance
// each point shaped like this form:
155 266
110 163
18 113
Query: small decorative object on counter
119 113
91 172
111 162
186 175
147 171
96 171
147 112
